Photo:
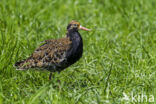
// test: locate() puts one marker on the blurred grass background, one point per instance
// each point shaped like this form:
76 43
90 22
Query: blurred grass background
119 53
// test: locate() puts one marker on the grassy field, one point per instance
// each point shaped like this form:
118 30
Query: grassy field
119 56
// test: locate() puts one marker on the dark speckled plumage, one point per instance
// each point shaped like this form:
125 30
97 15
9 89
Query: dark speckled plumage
56 55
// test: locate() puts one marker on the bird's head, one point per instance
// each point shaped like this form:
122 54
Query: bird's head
74 25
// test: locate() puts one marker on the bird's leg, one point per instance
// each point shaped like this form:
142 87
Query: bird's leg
50 75
59 80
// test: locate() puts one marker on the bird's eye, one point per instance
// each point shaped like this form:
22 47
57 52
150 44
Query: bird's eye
75 25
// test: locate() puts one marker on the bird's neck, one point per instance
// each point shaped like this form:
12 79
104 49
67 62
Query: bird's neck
73 34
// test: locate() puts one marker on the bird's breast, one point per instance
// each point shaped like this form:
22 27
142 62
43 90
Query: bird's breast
75 52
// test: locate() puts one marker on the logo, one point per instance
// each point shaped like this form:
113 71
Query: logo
137 98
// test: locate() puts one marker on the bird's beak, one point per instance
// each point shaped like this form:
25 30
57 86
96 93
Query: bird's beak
84 28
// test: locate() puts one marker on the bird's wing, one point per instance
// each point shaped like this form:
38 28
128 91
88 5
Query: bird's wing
51 53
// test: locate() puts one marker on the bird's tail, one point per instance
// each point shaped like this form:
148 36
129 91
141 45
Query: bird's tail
23 65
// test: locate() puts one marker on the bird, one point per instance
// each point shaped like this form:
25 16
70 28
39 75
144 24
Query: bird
55 55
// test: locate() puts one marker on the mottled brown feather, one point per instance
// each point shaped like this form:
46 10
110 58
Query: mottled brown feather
52 52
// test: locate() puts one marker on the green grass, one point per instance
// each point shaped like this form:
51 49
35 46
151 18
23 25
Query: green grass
119 53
